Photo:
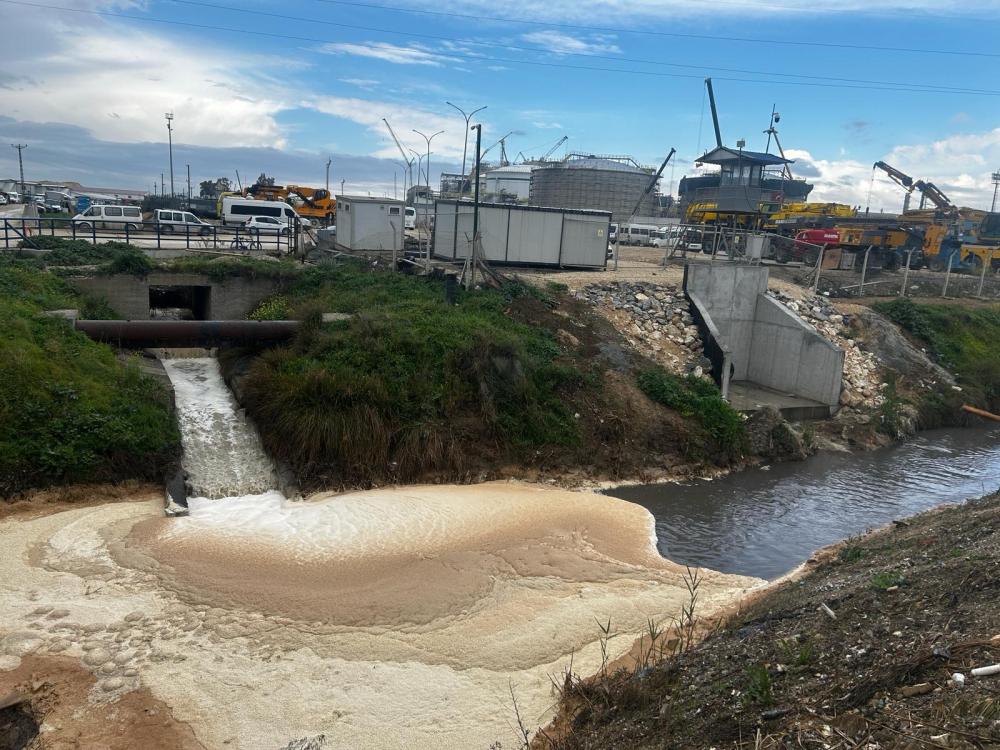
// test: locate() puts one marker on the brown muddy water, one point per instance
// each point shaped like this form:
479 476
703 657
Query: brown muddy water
764 522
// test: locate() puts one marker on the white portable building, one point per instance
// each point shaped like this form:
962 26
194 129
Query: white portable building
513 180
523 235
365 223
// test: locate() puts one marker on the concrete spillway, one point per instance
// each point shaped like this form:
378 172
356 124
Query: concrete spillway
223 456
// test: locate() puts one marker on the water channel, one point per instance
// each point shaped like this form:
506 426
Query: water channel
764 522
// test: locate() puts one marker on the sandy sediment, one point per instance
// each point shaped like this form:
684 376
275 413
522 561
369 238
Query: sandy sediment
394 618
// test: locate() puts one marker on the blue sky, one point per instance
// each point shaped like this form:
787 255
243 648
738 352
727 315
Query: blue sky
87 92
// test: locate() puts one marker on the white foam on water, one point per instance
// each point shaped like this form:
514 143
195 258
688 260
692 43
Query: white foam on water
223 456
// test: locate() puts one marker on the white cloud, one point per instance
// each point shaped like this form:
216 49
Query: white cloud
960 165
547 125
362 83
410 55
117 81
561 43
635 12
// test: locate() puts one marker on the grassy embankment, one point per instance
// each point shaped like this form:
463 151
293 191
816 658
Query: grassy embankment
69 410
410 388
908 607
963 340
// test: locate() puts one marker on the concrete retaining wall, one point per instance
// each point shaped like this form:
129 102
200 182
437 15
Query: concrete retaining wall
128 295
763 341
788 355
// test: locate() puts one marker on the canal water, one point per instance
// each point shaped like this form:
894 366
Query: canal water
764 522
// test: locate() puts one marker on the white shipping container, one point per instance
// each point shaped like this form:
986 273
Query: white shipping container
365 223
523 235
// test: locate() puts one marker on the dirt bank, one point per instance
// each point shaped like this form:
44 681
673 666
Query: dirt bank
403 615
909 606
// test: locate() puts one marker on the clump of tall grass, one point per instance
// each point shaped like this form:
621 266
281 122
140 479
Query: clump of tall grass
724 434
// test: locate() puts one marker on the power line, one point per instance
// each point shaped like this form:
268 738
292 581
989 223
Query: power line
543 50
674 34
864 85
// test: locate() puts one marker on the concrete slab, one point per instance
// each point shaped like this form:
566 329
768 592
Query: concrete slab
745 396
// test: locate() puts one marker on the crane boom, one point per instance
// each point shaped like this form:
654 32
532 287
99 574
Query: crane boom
649 187
407 159
715 112
900 178
931 192
549 153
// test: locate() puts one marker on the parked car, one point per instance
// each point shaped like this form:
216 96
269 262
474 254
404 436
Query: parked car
183 222
267 225
115 217
3 199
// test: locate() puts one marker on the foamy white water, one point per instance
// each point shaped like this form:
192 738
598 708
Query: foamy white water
390 619
223 456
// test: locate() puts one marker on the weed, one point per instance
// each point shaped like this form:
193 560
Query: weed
399 388
851 553
798 654
699 399
758 689
69 410
886 580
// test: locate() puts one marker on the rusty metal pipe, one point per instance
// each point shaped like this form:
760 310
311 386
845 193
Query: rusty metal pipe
981 413
139 334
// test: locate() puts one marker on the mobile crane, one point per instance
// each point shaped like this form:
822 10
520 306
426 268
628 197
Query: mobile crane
900 178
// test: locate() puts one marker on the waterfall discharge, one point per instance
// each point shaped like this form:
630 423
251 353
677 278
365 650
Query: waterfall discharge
223 455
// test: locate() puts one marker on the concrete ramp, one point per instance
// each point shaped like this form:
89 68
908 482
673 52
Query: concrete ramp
755 341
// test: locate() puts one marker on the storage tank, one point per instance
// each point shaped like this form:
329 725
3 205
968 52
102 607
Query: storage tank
606 183
512 180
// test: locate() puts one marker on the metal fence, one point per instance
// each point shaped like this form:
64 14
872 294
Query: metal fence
148 235
836 271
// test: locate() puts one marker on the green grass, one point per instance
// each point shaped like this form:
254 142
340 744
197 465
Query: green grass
886 580
69 410
961 339
409 383
759 691
698 399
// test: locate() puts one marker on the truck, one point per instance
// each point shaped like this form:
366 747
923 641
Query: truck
312 203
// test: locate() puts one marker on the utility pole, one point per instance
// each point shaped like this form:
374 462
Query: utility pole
20 163
329 161
163 190
341 187
475 208
427 166
996 184
170 141
189 185
465 143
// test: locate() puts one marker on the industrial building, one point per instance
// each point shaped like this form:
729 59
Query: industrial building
510 183
365 223
523 235
607 183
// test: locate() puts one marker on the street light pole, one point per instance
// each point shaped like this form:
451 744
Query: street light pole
189 185
996 184
427 166
170 141
465 143
328 163
20 163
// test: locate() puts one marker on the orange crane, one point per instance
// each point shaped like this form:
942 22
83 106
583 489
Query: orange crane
313 203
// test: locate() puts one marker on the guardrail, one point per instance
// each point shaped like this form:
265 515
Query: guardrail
20 232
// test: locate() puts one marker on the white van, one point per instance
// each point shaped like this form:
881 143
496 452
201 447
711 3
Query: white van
637 234
236 210
113 217
180 221
410 220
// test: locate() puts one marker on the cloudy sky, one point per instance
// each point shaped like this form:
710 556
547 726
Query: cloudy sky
281 87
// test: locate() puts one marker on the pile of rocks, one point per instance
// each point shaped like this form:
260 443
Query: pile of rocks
655 319
862 384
